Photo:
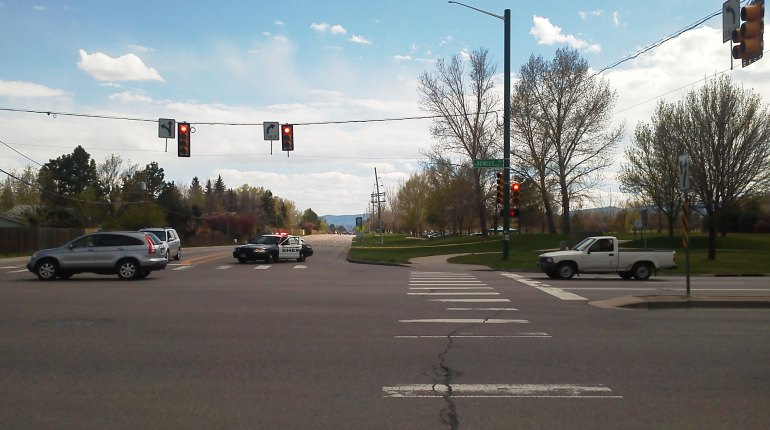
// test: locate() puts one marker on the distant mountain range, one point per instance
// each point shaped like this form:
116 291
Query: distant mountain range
347 221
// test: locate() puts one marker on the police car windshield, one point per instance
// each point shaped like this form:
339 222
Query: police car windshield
267 240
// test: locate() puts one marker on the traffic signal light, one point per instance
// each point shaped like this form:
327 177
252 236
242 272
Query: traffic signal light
750 35
287 137
500 185
515 191
514 213
183 139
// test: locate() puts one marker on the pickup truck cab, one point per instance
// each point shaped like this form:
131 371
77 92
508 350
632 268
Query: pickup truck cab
601 254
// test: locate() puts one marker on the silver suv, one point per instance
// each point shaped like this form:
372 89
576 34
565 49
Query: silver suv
170 237
129 254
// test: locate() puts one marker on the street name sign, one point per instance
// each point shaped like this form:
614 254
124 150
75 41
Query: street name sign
488 164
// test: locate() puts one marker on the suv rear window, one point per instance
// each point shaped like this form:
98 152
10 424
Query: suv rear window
160 233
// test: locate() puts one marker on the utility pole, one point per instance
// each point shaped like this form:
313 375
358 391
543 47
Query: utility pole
378 198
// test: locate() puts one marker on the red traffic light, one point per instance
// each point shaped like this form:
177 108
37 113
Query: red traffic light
183 139
515 187
287 137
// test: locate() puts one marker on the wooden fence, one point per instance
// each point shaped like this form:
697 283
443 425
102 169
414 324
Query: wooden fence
15 241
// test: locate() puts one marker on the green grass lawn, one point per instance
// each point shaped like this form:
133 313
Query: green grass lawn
736 253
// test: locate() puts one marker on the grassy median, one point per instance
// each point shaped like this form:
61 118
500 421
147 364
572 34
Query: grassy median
736 253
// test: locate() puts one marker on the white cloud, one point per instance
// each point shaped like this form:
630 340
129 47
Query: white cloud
323 27
360 40
616 18
338 29
319 28
588 14
445 41
27 89
548 34
131 96
127 67
278 22
140 48
399 58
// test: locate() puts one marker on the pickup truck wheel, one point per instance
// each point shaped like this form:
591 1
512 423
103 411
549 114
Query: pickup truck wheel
642 271
566 270
626 275
242 260
552 275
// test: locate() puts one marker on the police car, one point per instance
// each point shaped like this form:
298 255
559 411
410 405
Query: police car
273 247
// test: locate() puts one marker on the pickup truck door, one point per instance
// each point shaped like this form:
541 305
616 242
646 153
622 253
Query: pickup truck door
290 248
602 256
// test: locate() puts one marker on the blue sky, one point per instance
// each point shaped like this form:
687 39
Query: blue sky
303 62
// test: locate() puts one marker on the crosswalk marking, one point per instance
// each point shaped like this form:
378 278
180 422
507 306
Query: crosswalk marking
471 300
446 293
450 288
560 391
467 321
546 288
477 336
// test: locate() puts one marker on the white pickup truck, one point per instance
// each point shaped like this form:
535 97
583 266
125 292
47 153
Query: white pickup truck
601 254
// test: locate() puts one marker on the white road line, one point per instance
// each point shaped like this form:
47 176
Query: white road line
609 289
471 300
559 391
471 336
464 293
223 267
481 309
450 288
262 267
466 321
9 267
556 292
300 266
19 271
183 268
559 293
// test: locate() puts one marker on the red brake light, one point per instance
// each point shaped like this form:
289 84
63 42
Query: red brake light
150 248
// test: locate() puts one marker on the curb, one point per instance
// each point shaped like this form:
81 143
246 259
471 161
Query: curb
684 302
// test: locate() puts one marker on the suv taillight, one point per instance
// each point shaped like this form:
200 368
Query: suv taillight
150 247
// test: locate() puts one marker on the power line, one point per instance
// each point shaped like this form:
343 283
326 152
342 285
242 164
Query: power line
658 43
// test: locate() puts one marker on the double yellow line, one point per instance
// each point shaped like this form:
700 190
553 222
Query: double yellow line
204 259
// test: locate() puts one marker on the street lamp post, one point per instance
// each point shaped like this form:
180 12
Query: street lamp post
506 124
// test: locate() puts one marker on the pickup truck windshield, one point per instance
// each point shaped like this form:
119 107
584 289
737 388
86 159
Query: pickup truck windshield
584 244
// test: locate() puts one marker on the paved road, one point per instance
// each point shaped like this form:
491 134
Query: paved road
210 343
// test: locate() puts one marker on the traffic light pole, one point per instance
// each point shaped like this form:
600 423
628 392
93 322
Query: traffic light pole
506 123
507 134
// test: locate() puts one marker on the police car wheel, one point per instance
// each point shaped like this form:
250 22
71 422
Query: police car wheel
269 258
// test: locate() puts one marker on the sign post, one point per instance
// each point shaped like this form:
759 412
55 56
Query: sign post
271 133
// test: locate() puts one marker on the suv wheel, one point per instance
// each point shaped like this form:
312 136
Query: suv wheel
47 270
269 258
128 269
178 255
